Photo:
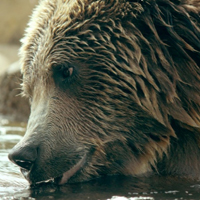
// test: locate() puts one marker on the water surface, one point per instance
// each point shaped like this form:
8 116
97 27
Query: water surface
14 186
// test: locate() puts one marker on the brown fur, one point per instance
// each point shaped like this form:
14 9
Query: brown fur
132 104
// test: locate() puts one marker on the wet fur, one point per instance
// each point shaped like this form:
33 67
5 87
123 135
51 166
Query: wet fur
134 101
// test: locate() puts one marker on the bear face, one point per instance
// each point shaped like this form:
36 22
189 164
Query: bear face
111 84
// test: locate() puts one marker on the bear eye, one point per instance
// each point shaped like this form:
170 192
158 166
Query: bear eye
66 73
63 74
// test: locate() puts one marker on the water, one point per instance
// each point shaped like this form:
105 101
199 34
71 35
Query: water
14 187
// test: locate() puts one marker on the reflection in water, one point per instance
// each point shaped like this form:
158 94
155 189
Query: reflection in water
14 186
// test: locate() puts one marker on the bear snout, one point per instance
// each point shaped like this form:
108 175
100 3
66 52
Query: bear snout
24 156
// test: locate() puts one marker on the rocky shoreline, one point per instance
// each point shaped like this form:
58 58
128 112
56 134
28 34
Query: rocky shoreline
14 17
13 106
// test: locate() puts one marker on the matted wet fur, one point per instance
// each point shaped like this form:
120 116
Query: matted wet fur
114 88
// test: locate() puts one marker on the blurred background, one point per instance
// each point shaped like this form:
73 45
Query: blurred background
14 109
14 16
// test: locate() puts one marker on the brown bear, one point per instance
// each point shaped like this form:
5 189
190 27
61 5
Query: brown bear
114 88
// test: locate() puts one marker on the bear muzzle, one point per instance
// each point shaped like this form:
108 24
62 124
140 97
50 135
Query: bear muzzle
26 158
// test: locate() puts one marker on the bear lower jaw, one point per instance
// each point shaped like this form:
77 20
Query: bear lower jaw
60 180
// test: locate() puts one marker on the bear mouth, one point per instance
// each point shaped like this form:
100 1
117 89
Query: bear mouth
68 174
59 180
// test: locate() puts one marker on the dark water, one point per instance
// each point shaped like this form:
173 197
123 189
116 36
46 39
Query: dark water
14 186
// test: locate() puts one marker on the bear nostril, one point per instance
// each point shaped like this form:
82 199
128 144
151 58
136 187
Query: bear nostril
24 156
24 164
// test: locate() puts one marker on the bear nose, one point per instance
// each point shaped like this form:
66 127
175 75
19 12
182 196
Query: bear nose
24 157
